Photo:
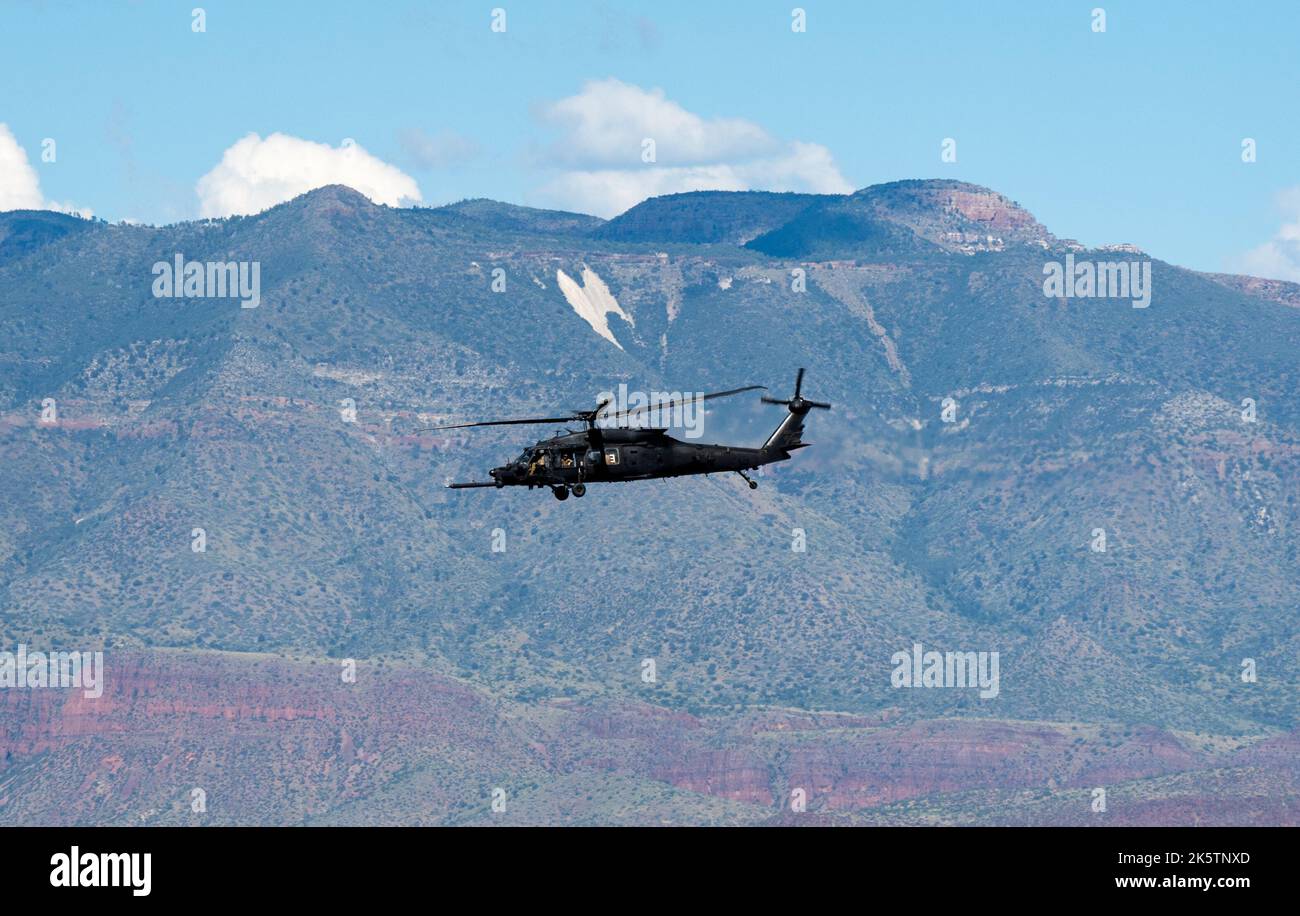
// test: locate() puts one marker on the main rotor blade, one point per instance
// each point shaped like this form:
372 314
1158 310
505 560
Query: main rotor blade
818 404
569 419
591 416
767 400
663 405
798 383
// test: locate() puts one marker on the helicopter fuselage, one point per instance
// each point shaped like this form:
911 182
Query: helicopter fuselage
624 454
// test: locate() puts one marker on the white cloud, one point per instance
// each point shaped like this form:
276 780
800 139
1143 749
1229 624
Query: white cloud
607 121
604 127
256 174
20 188
800 167
1278 258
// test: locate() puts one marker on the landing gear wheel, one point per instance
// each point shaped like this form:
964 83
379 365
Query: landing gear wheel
579 490
561 493
753 485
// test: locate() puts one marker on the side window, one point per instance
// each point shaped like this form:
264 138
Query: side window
611 456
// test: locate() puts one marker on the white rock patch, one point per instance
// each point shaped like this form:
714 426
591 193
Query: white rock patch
592 301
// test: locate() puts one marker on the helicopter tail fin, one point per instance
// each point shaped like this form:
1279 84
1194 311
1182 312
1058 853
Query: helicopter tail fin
787 436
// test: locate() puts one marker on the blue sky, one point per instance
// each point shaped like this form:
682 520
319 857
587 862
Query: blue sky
1131 135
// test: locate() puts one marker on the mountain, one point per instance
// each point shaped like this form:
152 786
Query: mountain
983 434
511 218
902 217
24 231
705 217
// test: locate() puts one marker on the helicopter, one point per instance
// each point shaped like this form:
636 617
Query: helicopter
568 462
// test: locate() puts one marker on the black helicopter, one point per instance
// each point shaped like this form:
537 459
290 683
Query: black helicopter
569 462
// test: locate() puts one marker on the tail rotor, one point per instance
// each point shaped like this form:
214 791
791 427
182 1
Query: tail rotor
798 404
